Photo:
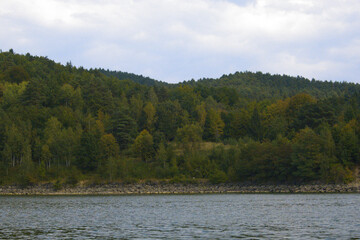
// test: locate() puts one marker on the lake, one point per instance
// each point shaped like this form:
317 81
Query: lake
212 216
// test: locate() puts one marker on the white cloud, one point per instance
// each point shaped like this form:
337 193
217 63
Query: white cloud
180 39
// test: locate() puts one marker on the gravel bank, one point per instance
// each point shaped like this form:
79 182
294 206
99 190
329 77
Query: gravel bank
174 188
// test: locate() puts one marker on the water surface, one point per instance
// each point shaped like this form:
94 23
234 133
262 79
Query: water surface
218 216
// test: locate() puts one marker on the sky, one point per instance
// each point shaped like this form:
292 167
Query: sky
177 40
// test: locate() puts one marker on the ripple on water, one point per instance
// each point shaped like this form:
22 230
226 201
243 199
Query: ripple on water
253 216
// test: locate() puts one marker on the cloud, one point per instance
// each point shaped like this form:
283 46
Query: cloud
175 40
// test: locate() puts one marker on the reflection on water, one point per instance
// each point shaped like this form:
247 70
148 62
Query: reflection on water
252 216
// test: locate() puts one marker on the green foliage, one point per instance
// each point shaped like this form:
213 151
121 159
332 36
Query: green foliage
88 152
123 128
214 125
144 146
218 176
169 118
16 74
57 185
189 137
70 124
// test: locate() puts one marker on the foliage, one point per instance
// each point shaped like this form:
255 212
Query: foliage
65 124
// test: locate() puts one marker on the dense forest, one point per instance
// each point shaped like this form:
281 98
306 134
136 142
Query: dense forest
69 124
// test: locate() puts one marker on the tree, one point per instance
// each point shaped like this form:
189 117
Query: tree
236 124
17 74
123 128
151 94
136 106
297 102
17 144
187 98
169 118
46 155
201 114
312 115
161 155
150 112
189 137
109 147
66 94
36 93
348 145
12 93
255 126
62 142
307 155
88 153
214 125
143 146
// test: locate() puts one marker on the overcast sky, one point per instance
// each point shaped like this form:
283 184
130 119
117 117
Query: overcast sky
176 40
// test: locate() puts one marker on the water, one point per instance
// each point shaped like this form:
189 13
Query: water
249 216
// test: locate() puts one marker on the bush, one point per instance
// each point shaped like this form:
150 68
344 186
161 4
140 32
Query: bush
218 177
26 181
339 174
73 177
183 179
57 185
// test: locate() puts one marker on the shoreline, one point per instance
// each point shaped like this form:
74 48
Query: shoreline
49 189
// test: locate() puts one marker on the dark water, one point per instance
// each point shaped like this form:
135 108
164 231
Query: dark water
252 216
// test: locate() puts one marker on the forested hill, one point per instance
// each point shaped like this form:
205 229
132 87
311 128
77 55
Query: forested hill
134 77
262 86
66 124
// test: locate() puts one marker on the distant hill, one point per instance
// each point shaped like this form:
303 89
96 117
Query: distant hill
260 85
133 77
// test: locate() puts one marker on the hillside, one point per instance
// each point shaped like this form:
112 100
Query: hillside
260 86
66 124
133 77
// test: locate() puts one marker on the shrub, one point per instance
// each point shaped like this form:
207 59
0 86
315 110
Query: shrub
218 176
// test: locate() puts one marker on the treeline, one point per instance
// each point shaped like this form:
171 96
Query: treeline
133 77
69 124
259 86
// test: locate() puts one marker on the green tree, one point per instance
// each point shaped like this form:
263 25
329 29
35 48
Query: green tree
161 156
123 128
201 114
255 126
12 92
307 155
214 125
189 137
109 147
16 74
150 112
169 118
144 146
88 153
17 147
66 94
136 107
348 145
36 93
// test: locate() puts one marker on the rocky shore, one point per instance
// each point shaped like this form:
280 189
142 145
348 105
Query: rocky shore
173 188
